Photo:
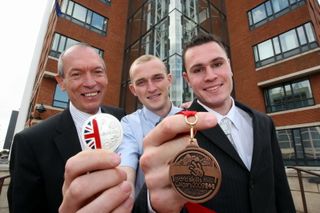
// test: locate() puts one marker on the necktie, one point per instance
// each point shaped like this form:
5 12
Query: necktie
161 118
225 125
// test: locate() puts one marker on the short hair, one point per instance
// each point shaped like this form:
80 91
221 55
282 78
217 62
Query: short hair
143 59
81 44
197 41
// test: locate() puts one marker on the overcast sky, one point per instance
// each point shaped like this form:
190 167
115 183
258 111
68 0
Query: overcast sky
20 23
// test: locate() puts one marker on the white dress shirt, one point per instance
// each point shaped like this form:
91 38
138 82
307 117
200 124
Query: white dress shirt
241 131
79 118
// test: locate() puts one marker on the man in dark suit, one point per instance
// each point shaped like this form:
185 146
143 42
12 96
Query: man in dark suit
39 154
244 144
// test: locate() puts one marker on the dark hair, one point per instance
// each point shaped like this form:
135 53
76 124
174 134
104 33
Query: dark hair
197 41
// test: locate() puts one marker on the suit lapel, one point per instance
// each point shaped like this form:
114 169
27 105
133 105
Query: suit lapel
217 137
67 140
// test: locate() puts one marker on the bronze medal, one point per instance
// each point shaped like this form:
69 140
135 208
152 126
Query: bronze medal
194 172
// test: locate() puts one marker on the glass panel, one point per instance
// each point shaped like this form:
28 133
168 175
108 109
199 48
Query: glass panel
62 44
189 29
80 12
203 15
60 98
98 21
279 5
311 142
71 42
299 147
285 140
259 13
219 25
70 8
301 35
55 42
64 6
148 16
310 33
147 44
289 40
256 56
292 1
89 17
302 89
265 50
276 45
134 27
268 7
161 41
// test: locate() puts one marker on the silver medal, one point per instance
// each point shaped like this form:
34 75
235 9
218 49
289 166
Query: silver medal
102 131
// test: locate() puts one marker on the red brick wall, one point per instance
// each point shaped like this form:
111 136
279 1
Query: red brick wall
246 77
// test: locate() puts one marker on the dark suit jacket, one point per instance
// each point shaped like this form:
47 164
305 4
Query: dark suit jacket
262 189
38 157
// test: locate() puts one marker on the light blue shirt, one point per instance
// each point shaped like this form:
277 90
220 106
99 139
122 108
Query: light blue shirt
135 126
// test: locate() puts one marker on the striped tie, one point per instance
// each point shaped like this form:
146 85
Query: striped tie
225 125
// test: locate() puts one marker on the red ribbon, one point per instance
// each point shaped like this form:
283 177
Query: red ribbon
187 113
196 208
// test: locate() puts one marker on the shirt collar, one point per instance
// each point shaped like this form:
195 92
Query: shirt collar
79 116
154 118
232 114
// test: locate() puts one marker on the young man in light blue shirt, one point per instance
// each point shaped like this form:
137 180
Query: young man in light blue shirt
150 82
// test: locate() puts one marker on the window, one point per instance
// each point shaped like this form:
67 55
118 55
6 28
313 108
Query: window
289 95
61 43
301 146
270 10
107 2
60 98
84 17
293 42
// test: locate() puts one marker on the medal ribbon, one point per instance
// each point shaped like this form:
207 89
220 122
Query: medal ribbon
194 207
187 113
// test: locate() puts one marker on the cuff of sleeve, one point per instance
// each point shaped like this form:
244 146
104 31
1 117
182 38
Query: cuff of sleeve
150 209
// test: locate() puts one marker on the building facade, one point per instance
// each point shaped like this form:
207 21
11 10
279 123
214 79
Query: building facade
276 63
273 46
161 28
100 23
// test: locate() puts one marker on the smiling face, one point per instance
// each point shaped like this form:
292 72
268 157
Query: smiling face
84 79
150 83
210 76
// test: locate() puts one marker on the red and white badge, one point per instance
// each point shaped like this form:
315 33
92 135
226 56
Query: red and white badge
102 131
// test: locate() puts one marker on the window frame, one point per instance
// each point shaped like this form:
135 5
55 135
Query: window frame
290 104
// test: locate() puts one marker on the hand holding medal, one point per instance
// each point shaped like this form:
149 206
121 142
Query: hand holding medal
194 172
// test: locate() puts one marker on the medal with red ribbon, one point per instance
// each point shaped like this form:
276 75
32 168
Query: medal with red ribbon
194 173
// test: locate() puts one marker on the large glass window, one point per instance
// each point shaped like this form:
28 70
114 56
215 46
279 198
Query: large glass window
301 146
60 43
270 10
289 95
290 43
60 98
84 16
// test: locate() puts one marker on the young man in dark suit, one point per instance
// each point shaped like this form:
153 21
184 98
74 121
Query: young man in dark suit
253 176
39 154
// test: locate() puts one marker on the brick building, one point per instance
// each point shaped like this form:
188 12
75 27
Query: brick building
273 46
276 63
97 23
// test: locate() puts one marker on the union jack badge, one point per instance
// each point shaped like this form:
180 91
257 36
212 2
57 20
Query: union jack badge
102 131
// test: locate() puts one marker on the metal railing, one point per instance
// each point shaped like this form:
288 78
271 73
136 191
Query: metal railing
303 197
